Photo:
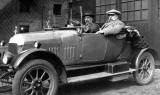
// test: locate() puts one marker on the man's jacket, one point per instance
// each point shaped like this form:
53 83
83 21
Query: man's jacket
112 27
91 28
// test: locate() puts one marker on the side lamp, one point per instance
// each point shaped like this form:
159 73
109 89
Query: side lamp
2 43
37 44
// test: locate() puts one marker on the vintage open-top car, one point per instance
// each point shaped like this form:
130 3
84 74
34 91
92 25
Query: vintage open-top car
37 63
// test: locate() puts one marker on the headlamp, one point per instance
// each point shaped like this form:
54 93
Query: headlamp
7 57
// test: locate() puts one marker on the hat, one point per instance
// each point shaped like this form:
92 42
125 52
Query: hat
113 11
88 14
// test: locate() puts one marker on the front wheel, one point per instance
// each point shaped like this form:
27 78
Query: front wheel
37 77
145 66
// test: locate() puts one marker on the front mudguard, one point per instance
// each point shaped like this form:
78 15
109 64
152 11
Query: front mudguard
21 59
18 59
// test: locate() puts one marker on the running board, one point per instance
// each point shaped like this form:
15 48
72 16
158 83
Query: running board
96 75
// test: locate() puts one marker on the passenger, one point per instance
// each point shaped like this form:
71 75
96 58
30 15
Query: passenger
90 26
113 25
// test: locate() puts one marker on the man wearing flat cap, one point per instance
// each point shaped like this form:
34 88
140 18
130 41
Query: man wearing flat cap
113 25
89 26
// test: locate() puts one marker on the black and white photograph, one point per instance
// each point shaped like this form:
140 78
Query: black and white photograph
79 47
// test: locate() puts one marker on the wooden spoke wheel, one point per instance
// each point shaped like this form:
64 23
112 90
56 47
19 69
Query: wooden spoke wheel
37 77
145 66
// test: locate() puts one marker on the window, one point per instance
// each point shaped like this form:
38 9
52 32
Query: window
101 7
134 10
24 5
57 9
24 28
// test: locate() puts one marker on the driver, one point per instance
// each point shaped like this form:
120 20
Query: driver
113 25
89 26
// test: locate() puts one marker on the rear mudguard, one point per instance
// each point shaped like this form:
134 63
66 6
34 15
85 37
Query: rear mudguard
140 52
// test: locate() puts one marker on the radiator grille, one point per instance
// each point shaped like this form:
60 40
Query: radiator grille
13 48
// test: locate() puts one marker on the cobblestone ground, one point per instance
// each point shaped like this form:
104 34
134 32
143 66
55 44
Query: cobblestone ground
102 87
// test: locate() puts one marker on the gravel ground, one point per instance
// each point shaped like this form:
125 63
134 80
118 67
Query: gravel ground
102 87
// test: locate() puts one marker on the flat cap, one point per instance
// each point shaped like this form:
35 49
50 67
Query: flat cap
113 11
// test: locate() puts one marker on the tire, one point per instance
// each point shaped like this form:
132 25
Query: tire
37 77
145 67
5 83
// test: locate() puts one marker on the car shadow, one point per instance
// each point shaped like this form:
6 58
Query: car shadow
95 87
102 87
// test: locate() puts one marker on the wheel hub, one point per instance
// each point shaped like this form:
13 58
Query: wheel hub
145 68
37 84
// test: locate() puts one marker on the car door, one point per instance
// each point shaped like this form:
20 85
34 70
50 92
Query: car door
93 47
97 47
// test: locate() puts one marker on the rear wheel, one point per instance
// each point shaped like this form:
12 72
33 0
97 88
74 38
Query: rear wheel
145 66
37 77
